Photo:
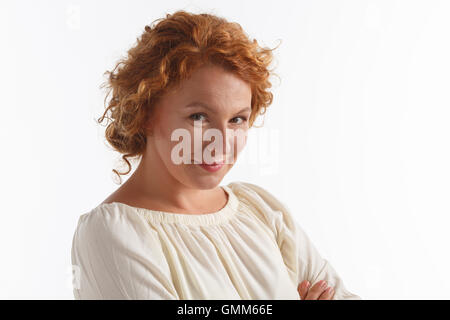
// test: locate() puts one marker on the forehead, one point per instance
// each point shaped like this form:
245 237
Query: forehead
214 86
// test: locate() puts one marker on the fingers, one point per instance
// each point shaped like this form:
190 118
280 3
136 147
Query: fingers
303 289
327 294
316 291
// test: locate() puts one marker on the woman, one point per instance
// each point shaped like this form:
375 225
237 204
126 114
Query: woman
171 231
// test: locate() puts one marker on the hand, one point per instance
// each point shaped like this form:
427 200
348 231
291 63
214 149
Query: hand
319 291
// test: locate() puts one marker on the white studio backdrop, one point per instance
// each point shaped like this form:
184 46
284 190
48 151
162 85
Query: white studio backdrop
356 142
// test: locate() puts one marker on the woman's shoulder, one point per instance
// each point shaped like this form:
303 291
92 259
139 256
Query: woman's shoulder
107 212
109 222
264 203
259 194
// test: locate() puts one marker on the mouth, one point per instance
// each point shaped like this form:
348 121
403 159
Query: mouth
215 166
214 163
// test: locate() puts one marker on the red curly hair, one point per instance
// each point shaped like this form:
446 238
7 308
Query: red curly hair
168 52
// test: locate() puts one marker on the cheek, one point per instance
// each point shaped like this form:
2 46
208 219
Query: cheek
242 142
239 140
235 145
163 139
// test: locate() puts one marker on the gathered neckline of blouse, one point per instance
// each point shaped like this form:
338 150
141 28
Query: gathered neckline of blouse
217 217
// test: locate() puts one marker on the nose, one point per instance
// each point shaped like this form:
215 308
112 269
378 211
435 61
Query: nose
216 141
228 144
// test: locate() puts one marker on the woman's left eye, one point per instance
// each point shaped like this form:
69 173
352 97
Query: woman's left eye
242 118
196 116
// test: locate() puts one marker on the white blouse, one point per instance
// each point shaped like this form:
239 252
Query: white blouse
252 248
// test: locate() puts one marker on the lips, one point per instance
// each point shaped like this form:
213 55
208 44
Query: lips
215 163
211 167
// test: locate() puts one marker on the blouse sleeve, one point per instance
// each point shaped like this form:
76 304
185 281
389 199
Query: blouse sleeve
116 256
301 257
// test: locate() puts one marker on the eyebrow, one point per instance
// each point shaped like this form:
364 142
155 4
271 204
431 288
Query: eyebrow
204 105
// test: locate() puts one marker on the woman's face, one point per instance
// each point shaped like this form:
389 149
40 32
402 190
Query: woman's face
216 105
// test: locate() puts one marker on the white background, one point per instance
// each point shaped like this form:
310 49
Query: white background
360 122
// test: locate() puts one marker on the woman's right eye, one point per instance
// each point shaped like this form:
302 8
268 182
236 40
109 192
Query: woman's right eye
196 116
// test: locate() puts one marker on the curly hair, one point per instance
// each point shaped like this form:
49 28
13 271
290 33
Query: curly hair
167 52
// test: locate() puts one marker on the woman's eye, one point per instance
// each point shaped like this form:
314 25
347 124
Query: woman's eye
202 117
196 116
243 119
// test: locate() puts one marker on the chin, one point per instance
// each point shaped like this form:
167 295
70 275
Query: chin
199 178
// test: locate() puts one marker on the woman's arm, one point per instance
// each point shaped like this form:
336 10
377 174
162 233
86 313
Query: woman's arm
301 257
313 267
